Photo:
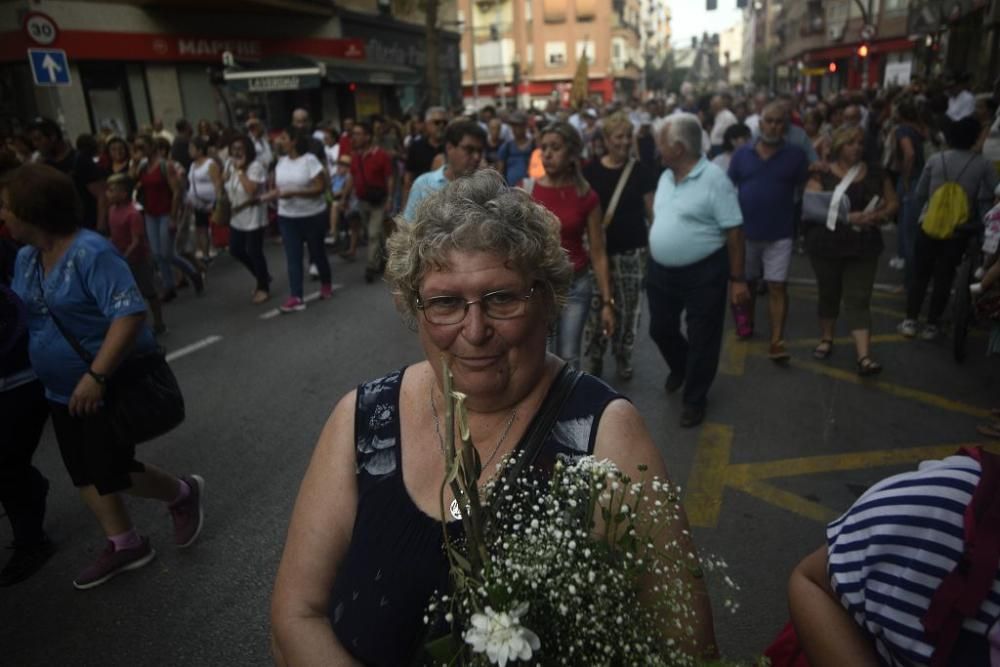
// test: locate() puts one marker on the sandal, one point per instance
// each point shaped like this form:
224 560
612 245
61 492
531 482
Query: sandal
824 349
868 366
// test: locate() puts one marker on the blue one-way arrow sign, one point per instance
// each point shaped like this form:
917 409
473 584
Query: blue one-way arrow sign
50 67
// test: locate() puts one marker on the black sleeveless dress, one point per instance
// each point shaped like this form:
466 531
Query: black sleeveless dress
396 558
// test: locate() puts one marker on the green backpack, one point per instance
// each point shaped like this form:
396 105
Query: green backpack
948 207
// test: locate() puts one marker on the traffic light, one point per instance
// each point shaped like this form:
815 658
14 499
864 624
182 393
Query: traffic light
832 67
863 51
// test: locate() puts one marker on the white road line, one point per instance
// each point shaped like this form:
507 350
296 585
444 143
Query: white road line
193 347
274 312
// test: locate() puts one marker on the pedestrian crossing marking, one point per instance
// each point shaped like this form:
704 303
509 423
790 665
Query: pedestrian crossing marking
713 471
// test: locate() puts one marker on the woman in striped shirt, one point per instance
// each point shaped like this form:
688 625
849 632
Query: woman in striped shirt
862 598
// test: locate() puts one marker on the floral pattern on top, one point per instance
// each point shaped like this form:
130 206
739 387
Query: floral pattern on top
375 425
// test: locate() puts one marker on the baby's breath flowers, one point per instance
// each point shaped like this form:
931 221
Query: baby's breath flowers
571 568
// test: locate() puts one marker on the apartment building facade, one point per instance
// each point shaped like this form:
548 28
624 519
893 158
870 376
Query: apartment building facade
526 52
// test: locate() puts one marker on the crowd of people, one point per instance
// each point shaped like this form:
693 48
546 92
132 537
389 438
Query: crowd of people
517 241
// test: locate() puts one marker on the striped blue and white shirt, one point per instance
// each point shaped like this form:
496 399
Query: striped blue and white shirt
889 553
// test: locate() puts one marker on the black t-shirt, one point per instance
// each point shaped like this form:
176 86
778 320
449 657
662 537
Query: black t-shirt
83 171
420 156
179 153
628 229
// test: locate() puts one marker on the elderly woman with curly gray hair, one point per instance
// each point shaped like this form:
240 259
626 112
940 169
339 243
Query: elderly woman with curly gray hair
482 276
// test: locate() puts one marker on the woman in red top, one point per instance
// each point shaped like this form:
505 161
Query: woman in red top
157 184
565 192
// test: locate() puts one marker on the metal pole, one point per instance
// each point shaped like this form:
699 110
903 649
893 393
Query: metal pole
503 67
472 55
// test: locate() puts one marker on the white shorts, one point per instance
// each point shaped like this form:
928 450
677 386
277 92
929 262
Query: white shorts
770 259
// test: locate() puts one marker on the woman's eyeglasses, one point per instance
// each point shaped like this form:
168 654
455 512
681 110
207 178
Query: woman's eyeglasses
498 305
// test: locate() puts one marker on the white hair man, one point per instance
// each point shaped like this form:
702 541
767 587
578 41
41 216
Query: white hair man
696 250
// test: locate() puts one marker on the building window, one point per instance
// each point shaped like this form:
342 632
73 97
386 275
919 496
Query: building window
588 48
463 61
555 54
529 54
527 10
619 53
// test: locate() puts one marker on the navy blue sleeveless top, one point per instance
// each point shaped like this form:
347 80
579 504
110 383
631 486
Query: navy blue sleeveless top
396 559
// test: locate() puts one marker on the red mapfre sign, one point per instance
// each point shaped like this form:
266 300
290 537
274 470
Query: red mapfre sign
93 45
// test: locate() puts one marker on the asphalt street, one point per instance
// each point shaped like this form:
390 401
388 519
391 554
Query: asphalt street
784 449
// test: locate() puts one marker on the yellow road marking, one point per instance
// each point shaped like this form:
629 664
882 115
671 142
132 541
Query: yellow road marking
734 354
787 500
712 472
812 295
703 495
896 390
761 348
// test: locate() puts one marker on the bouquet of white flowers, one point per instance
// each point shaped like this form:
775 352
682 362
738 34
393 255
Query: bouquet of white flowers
573 569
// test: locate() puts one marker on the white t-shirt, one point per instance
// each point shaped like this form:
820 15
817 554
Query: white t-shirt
723 121
296 174
251 217
332 155
962 105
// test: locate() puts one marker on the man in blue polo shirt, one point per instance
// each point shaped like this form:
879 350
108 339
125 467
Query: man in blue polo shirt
464 142
696 249
768 173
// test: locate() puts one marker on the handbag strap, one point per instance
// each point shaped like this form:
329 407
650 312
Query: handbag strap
838 194
82 352
539 429
619 188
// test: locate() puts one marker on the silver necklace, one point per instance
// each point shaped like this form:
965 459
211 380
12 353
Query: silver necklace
455 509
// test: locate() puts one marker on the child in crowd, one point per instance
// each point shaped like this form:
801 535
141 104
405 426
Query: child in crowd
128 234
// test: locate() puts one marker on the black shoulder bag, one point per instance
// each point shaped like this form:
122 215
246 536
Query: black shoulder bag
142 398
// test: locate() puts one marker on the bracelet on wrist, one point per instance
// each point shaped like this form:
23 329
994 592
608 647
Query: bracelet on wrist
100 378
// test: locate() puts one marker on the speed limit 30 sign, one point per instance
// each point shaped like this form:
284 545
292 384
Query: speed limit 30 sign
40 28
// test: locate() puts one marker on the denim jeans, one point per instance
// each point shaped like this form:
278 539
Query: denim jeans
569 329
161 242
699 291
248 249
309 230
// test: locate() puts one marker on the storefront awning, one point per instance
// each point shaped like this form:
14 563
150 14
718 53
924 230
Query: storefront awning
351 71
273 80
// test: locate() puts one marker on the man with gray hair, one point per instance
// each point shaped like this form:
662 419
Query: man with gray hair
422 152
696 250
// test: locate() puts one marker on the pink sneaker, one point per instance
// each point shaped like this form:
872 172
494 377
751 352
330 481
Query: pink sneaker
111 563
292 305
326 292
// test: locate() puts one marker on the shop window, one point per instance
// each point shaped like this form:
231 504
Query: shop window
106 90
555 54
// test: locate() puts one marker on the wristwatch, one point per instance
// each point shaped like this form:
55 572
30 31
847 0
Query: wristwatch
100 378
609 302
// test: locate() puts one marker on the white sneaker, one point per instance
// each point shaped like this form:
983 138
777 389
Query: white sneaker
313 271
980 272
908 328
975 289
930 332
897 263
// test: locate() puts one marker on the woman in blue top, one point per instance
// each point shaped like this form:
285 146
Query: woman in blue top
76 276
